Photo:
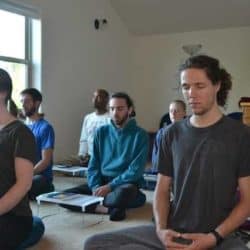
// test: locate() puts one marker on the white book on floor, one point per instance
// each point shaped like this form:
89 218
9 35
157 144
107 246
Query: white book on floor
66 168
80 200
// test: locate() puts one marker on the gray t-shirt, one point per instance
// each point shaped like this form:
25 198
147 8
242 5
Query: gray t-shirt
16 140
205 164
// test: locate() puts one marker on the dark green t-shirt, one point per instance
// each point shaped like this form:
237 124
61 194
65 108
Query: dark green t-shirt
205 165
16 140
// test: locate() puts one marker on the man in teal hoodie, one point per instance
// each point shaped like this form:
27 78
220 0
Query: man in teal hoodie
117 165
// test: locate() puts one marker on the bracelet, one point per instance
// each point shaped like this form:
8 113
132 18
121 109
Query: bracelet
218 237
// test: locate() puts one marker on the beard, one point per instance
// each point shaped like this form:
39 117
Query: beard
99 105
29 113
120 121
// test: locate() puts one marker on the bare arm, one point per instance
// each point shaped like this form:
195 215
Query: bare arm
83 143
162 201
47 155
161 207
24 172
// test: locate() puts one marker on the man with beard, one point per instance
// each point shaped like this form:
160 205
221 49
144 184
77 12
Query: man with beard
116 167
91 122
203 159
31 100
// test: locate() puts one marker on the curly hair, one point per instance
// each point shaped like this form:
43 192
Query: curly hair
215 73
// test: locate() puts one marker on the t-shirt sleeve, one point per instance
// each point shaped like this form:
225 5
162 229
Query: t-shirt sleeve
83 144
47 138
165 159
244 159
25 145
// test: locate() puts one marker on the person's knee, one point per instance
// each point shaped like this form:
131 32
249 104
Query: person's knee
90 243
129 189
40 186
38 225
35 235
138 201
121 196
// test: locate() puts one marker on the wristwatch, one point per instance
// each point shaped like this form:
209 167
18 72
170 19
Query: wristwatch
218 237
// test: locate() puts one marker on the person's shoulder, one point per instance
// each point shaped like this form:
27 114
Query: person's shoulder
18 125
106 115
172 129
142 130
45 124
139 129
19 128
104 128
234 124
89 115
177 125
238 125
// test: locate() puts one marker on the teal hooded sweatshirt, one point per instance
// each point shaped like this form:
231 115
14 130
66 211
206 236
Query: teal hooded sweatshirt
119 154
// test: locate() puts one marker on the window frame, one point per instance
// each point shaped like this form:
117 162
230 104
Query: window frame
29 14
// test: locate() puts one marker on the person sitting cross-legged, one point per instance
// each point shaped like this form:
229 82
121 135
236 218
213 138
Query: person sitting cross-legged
19 229
91 121
203 160
43 131
177 112
116 167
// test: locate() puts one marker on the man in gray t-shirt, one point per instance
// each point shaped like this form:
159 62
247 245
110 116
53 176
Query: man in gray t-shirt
204 171
202 160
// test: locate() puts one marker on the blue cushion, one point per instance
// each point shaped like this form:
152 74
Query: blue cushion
35 235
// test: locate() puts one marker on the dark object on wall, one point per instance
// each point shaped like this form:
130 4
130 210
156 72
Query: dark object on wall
98 23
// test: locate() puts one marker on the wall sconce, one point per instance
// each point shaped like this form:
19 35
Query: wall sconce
192 49
99 23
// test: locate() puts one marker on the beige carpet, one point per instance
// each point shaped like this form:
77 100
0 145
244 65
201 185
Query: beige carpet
67 230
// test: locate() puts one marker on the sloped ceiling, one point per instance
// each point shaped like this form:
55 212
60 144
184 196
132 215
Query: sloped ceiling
148 17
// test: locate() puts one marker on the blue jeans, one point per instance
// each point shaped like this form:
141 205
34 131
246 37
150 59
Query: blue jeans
35 235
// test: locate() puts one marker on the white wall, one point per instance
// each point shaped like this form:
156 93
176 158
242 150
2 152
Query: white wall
156 60
77 59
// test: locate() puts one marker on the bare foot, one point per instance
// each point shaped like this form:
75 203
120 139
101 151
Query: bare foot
100 209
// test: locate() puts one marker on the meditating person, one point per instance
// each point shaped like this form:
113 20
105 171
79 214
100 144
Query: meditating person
91 122
202 159
17 158
43 131
177 111
116 167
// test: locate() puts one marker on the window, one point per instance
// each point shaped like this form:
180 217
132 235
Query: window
20 46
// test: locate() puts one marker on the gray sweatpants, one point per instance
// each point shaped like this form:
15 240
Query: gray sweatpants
144 238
